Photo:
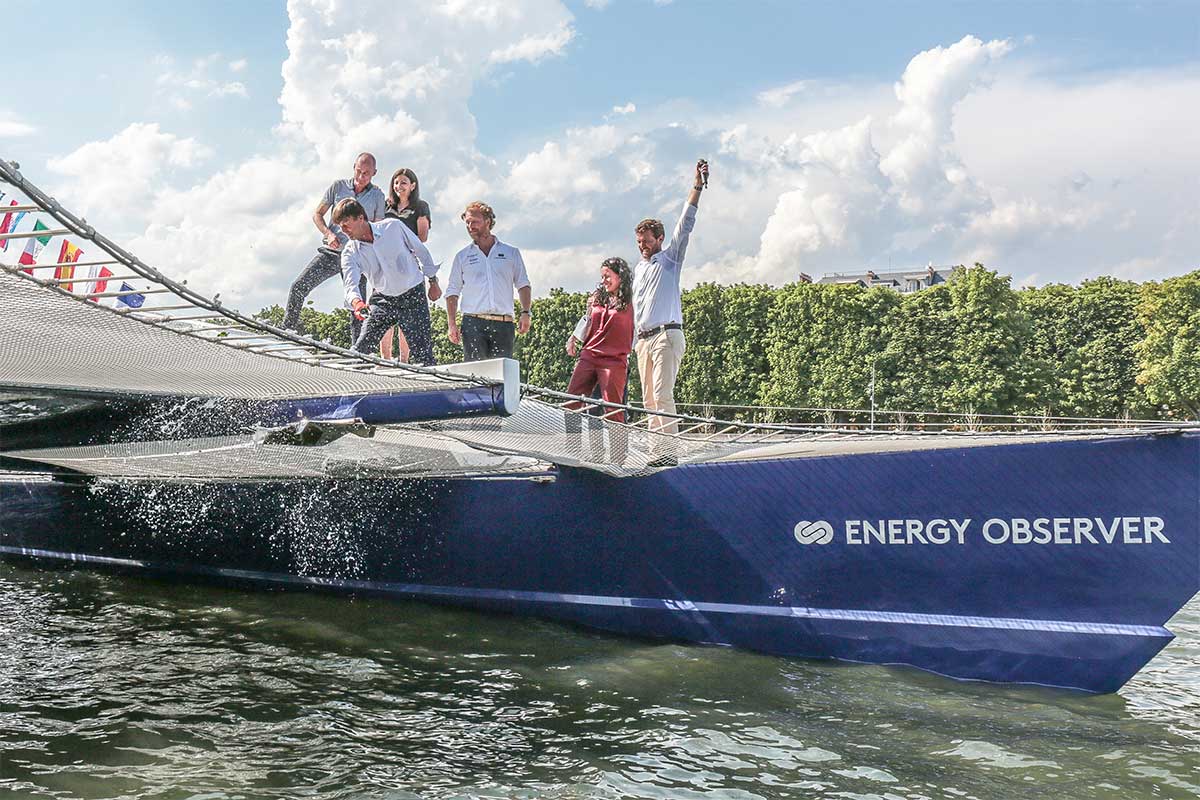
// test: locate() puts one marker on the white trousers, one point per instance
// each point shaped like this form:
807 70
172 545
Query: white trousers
658 365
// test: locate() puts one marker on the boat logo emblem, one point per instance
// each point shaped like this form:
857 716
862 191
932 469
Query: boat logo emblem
818 532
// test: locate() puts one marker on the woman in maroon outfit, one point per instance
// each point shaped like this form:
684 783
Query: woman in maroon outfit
606 336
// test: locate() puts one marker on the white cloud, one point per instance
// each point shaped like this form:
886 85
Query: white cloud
246 230
970 155
12 126
568 170
183 87
599 5
574 268
534 48
123 175
779 96
968 160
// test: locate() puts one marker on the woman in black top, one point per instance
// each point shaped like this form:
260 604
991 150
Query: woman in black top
405 204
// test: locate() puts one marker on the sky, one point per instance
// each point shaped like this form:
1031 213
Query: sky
1051 141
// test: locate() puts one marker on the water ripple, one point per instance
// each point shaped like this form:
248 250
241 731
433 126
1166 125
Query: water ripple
117 687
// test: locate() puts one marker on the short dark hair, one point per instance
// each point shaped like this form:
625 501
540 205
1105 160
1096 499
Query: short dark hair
653 225
480 208
347 207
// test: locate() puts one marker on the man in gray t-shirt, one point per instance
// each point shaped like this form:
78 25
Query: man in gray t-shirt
327 262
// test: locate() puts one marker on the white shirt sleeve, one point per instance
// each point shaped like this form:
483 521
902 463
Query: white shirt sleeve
583 326
520 278
351 273
455 284
682 234
420 252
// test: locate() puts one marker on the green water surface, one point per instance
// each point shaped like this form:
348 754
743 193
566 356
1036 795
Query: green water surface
116 687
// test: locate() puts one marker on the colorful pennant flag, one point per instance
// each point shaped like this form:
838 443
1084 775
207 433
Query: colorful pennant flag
97 280
130 300
68 254
9 224
33 248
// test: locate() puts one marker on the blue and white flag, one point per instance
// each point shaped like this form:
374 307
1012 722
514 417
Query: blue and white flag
130 300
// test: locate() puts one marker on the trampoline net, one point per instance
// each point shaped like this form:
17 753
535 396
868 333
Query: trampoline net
52 340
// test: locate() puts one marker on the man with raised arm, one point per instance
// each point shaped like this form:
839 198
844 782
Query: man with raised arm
484 274
327 262
397 264
658 308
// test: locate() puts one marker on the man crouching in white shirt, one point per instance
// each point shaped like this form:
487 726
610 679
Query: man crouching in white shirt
485 273
396 263
657 306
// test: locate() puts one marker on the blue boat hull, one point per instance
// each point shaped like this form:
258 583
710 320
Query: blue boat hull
1053 563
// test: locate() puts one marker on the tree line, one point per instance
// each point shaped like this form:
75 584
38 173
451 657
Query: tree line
974 345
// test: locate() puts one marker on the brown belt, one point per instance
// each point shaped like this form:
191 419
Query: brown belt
492 317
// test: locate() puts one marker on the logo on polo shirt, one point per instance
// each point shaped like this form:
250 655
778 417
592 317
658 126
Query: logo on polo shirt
499 255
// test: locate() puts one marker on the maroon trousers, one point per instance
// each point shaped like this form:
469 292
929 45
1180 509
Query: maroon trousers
609 373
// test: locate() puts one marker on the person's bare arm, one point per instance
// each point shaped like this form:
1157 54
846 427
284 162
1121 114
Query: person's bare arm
526 295
452 319
318 219
699 183
423 228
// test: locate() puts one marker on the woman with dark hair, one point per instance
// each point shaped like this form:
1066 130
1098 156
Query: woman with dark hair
405 204
606 335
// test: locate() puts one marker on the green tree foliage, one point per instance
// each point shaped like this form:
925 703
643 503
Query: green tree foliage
917 367
332 326
1083 339
543 351
1049 352
1169 354
823 342
989 334
743 364
444 350
1104 348
700 371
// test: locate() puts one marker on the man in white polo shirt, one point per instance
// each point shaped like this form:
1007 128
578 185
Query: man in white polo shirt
657 306
396 263
484 275
326 263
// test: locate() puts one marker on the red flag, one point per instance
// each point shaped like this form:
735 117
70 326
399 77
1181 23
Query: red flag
98 280
9 225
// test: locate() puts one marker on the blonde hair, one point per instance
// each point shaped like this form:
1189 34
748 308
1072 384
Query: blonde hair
483 209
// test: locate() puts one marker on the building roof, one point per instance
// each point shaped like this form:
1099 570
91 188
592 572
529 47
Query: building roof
896 279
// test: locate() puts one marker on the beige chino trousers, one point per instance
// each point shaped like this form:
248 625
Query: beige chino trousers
658 365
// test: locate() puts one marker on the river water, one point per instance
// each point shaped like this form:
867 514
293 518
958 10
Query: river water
120 687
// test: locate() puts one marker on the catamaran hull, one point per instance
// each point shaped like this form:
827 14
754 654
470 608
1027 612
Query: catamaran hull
1054 563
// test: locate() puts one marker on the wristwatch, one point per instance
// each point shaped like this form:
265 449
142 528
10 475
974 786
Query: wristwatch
526 311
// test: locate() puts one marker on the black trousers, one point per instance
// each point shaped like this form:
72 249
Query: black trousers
411 313
487 338
325 264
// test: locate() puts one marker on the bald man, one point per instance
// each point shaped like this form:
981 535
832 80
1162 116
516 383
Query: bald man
327 262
